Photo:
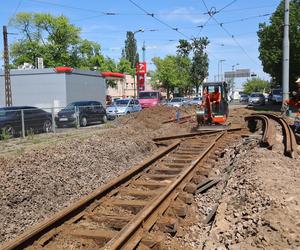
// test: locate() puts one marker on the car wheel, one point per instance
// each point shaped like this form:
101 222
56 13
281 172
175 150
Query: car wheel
83 121
9 131
128 113
104 119
47 127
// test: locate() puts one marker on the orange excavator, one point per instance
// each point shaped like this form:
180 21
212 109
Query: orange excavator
214 108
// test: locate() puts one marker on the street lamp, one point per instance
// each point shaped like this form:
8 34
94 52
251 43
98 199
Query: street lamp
135 90
220 69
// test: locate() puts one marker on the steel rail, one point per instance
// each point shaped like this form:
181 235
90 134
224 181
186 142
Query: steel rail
130 235
171 137
290 143
268 128
59 218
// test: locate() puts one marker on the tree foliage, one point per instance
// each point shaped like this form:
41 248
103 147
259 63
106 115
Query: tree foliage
58 42
199 67
271 43
168 74
130 51
256 85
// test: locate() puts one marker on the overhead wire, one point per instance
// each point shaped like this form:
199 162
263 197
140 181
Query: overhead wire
157 19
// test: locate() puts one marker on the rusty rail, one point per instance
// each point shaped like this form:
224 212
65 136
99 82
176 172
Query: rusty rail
290 143
59 218
268 139
145 192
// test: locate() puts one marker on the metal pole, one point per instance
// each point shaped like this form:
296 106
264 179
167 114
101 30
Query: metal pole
286 53
218 70
23 123
8 95
53 121
144 52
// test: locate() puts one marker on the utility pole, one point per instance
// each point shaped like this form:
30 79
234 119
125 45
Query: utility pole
144 52
8 95
286 52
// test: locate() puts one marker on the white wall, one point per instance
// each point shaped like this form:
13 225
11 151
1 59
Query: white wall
81 86
40 88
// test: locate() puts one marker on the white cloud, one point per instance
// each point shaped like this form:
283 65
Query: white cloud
184 13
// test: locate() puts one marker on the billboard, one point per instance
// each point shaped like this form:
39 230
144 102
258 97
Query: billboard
141 70
237 73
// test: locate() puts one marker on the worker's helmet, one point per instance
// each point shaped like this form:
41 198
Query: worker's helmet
298 83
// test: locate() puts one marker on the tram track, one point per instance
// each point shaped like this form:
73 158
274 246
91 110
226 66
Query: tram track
290 143
121 213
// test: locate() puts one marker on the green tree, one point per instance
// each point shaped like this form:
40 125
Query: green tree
130 51
167 73
271 40
256 85
199 66
55 40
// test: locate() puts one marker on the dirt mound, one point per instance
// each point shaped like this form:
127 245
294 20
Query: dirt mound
152 118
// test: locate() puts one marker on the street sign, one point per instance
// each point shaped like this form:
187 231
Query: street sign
238 73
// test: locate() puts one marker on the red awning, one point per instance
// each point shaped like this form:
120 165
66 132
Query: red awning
63 69
113 75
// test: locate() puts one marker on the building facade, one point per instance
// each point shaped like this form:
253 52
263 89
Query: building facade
53 87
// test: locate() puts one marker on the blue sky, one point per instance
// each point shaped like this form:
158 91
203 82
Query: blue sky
240 19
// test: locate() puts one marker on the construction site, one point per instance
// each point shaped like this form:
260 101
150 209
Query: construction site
149 181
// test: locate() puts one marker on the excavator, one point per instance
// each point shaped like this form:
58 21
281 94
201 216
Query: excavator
213 112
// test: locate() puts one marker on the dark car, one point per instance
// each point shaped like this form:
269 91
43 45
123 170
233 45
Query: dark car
84 112
35 119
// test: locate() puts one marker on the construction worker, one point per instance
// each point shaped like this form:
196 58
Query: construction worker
215 98
295 102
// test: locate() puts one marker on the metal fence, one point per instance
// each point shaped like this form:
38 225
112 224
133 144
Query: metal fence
25 121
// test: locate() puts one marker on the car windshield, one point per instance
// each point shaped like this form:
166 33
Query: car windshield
255 95
121 102
176 100
148 95
243 95
277 92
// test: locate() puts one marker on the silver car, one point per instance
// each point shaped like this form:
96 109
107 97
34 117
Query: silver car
123 107
177 102
196 101
257 99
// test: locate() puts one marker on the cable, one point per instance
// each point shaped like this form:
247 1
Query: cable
234 39
157 19
227 5
16 9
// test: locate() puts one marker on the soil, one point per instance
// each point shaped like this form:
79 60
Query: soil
41 175
258 201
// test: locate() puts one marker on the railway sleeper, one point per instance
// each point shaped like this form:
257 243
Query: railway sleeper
160 176
150 184
167 224
165 170
139 193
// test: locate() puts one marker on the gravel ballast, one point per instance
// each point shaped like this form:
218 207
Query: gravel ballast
39 181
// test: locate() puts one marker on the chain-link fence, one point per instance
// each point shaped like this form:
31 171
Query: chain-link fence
25 121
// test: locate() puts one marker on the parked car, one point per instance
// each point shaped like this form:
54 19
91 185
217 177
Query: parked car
275 96
35 119
244 98
196 101
178 102
123 107
149 99
86 112
257 99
